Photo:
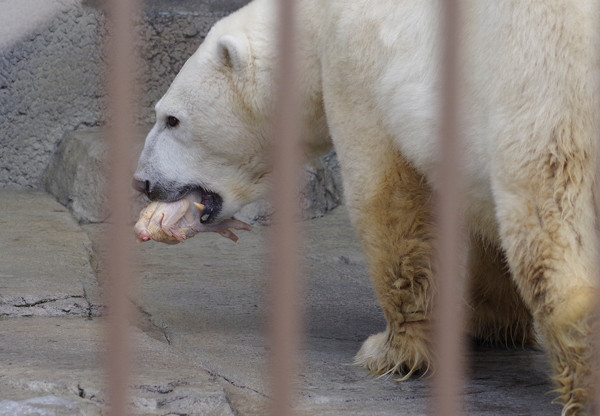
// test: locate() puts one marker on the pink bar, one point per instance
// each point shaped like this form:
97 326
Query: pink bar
448 381
286 279
596 328
121 81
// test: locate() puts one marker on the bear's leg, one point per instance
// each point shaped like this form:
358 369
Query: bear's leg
389 203
547 226
497 313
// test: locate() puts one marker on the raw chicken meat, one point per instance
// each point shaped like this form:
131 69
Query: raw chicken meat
174 222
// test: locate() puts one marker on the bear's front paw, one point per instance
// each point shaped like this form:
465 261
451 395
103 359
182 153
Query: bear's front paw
406 353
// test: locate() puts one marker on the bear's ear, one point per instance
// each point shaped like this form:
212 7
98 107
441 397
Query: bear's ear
233 51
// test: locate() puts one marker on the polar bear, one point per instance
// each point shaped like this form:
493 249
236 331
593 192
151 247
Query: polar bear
370 88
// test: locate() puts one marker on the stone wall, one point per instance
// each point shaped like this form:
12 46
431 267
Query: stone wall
50 83
51 71
52 96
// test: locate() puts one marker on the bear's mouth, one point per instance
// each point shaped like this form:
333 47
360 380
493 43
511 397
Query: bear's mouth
212 204
212 201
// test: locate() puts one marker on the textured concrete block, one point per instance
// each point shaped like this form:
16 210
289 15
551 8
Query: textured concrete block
45 259
76 177
50 83
52 64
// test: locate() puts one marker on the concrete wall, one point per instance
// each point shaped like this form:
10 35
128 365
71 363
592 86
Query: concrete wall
51 97
51 66
49 83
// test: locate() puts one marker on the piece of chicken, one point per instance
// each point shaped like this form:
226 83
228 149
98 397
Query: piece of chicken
174 222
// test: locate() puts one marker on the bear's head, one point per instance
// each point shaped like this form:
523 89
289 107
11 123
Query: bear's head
212 130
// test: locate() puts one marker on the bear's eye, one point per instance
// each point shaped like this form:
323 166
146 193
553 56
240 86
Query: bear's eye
172 121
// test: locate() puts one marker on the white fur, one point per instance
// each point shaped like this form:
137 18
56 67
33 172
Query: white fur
370 84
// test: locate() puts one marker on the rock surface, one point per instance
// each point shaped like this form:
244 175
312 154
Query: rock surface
52 70
44 258
200 339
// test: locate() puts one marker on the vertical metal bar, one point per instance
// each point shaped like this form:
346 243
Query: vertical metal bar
595 342
448 382
286 285
121 81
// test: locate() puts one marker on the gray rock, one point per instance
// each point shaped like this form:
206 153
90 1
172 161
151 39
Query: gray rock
55 367
52 71
200 346
50 83
45 259
322 192
52 356
76 176
43 405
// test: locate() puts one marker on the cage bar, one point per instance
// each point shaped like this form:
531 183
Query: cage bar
286 280
449 349
118 240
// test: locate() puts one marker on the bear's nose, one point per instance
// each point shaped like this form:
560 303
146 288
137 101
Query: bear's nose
141 186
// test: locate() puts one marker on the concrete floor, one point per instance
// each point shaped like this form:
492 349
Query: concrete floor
200 336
